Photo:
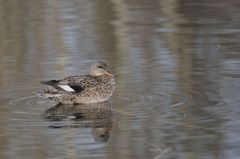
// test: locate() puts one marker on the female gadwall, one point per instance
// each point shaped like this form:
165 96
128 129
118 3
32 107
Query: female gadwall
98 86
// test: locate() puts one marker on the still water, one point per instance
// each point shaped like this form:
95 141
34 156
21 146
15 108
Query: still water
177 65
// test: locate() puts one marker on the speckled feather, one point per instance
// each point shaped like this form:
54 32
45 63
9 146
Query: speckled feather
83 81
94 89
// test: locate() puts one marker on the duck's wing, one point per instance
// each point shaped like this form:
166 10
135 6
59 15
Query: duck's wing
79 83
73 84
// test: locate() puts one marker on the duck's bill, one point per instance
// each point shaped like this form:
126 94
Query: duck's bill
108 73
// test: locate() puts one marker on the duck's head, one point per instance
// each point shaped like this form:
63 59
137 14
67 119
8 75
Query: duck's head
99 68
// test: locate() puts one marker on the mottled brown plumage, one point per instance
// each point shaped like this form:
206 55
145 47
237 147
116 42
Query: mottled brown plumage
98 86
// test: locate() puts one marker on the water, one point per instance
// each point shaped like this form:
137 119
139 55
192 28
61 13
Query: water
177 66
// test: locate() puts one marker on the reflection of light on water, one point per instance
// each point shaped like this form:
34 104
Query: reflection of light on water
150 44
27 113
231 68
98 117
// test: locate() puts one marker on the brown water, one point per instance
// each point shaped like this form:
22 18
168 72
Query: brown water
177 64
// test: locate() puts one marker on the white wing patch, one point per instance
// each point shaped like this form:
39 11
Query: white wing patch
66 88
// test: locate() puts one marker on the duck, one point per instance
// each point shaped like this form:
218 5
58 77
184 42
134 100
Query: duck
95 87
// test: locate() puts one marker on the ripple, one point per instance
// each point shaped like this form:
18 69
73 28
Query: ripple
19 88
132 103
137 108
28 103
32 112
25 112
179 99
172 99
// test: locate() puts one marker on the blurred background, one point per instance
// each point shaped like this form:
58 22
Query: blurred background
177 64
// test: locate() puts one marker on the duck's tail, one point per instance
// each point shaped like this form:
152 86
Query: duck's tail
51 82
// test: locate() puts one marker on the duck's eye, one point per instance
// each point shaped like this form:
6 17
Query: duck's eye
100 66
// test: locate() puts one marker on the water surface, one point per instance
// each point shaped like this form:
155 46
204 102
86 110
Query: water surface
177 66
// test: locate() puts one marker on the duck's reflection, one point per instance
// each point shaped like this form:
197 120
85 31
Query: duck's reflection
98 117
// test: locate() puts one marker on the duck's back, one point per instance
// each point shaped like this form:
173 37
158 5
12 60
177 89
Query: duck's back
98 91
80 80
